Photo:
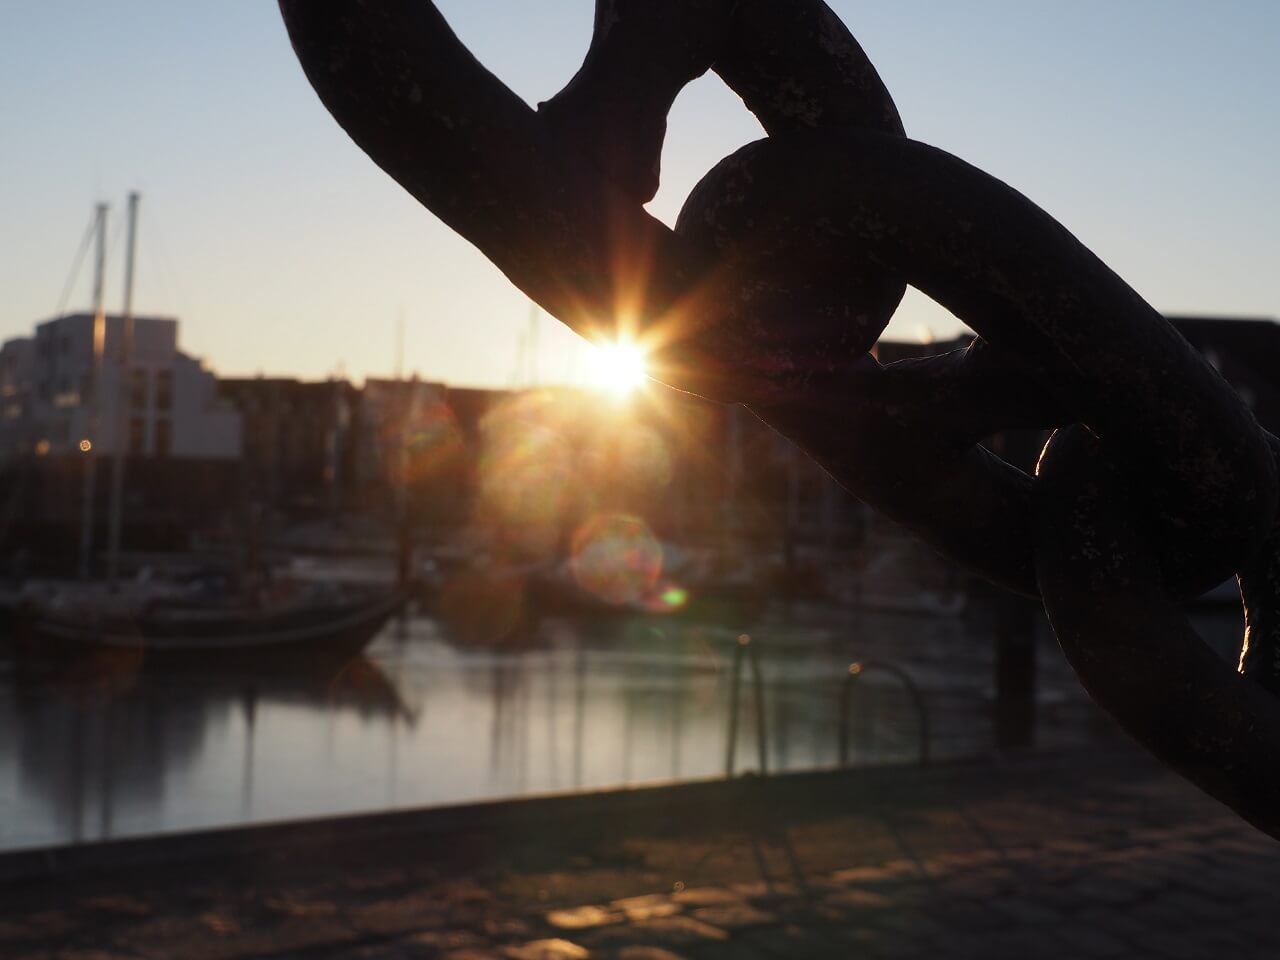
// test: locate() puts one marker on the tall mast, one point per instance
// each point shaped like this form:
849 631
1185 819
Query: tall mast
124 396
404 541
535 312
91 400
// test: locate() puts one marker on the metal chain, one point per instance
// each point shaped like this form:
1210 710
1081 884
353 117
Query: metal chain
784 267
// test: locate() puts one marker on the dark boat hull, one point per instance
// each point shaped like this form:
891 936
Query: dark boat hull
330 633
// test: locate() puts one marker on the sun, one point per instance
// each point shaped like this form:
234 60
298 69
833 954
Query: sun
618 367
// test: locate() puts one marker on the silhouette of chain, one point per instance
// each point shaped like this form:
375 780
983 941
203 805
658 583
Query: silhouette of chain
785 265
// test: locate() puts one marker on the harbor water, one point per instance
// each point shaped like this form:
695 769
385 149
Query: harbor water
107 749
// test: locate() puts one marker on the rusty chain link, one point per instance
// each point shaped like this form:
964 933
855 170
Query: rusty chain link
784 267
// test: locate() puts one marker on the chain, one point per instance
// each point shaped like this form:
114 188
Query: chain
784 267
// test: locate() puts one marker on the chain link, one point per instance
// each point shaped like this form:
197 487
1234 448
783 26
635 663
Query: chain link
784 267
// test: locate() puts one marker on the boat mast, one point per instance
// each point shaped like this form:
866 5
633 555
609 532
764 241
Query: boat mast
91 401
124 396
535 313
404 541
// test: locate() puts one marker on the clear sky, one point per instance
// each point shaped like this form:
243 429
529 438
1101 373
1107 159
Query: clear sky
1151 128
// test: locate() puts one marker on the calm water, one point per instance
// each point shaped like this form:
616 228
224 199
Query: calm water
104 750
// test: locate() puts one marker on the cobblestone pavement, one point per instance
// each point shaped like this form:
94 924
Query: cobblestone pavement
1074 856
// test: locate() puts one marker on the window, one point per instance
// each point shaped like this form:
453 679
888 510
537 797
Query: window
137 436
138 389
163 438
164 389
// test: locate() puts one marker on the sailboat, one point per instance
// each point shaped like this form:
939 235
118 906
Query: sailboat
202 616
332 625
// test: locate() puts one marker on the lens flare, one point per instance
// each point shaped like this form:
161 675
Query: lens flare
668 598
616 558
618 368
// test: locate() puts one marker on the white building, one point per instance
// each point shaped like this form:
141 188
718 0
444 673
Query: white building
165 404
16 368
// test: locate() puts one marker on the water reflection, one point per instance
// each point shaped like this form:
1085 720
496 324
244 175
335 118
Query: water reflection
103 749
96 751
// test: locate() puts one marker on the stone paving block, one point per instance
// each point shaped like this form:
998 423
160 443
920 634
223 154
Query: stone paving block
1022 944
1021 854
550 949
399 950
1118 923
119 904
1071 846
504 928
1225 885
647 907
965 946
1092 942
1160 913
1135 874
861 899
1252 843
967 917
219 937
444 941
899 948
415 911
647 953
705 896
1025 911
1107 890
868 875
760 891
1198 907
795 941
912 922
734 916
46 923
582 918
1172 947
667 932
377 879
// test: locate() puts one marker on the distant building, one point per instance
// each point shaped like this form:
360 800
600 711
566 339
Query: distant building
397 417
17 371
183 443
1247 354
164 406
299 440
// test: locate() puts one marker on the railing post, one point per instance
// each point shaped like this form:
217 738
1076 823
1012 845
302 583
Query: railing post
1015 672
731 747
743 650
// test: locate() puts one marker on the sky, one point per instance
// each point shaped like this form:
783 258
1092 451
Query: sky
1151 128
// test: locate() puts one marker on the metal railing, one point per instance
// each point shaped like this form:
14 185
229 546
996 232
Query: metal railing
745 650
856 670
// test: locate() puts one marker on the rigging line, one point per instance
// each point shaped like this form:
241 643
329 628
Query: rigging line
150 261
154 251
77 264
114 239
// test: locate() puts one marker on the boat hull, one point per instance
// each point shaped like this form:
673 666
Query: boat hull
328 634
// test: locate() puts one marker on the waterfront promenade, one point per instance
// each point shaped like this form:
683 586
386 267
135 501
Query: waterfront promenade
1073 855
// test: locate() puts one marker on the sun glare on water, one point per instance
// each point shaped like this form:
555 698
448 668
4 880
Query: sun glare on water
617 367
